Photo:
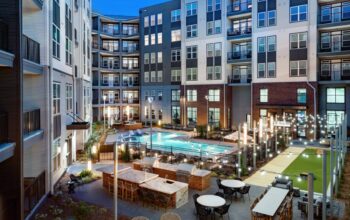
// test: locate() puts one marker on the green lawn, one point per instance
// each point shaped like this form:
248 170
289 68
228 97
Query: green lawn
311 164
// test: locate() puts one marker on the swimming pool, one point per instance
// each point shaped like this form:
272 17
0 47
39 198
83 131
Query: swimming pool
178 143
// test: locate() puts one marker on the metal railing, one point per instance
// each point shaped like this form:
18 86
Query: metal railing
31 121
131 49
34 190
3 127
239 55
131 101
240 6
240 78
3 36
333 17
331 42
247 30
133 67
31 50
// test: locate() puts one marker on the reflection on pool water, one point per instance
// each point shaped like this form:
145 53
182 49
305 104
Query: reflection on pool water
167 141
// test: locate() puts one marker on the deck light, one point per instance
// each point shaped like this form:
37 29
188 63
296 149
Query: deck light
89 165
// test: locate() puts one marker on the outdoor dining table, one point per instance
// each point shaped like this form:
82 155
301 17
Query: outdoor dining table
236 184
211 201
271 201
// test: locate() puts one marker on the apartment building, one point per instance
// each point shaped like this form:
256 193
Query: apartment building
333 65
160 39
207 97
116 69
42 123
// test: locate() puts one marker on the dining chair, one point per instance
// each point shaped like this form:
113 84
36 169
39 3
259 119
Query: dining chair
121 189
228 192
245 190
220 186
203 212
130 191
223 210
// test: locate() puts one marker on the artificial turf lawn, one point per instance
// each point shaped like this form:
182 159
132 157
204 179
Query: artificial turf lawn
313 164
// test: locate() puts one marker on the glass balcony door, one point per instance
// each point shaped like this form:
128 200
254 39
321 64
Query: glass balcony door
336 42
336 71
336 14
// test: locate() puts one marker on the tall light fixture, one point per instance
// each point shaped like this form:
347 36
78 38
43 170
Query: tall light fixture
150 100
208 126
104 112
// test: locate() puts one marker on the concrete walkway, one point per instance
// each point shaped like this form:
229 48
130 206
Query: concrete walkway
274 167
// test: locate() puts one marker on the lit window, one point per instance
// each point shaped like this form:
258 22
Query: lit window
264 95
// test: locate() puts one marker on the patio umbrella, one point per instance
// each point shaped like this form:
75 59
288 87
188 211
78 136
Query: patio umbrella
234 136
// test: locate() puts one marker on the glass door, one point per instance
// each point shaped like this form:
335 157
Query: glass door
301 130
110 97
336 71
336 42
336 12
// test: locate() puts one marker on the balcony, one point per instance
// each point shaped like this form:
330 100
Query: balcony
31 56
78 123
109 83
335 72
239 8
110 101
131 84
131 67
7 148
108 66
6 58
132 32
334 44
239 34
131 49
31 125
34 190
240 77
239 57
332 18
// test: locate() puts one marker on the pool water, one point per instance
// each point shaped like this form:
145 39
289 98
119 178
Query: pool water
178 143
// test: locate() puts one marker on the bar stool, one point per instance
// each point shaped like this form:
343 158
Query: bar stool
110 184
121 189
130 191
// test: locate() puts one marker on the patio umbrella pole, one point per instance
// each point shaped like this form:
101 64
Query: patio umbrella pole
254 145
324 185
310 187
331 176
115 189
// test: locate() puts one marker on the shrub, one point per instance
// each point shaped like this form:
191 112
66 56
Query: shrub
85 173
81 211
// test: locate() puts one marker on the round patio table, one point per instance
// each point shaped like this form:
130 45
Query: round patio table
236 184
211 201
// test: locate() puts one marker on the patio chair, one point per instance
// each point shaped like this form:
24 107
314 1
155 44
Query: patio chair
244 190
218 182
150 198
228 192
222 195
203 212
223 210
76 179
170 216
130 191
302 206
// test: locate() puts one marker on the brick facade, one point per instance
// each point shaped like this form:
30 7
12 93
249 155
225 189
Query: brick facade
201 103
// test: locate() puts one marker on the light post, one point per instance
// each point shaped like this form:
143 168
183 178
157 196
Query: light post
208 128
104 112
150 100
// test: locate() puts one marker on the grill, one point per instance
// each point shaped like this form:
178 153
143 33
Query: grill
184 172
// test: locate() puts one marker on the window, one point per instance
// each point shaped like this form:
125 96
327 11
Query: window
176 75
160 57
334 118
217 75
69 98
146 40
175 114
56 29
160 95
191 8
271 69
298 68
175 35
263 113
69 34
191 115
146 21
175 95
191 31
191 52
160 38
56 99
160 76
146 58
214 95
153 39
336 95
301 96
210 27
261 19
191 74
159 19
153 20
214 49
261 45
153 58
56 154
175 15
192 95
175 55
298 40
261 70
146 76
298 13
153 76
271 18
264 95
214 117
271 43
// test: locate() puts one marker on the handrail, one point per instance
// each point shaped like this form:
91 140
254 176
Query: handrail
75 116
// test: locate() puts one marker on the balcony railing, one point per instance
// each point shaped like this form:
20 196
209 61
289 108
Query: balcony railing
31 121
109 66
34 190
335 42
243 31
237 78
130 32
238 7
133 49
333 15
110 84
133 67
3 36
110 101
335 71
3 127
31 50
131 101
131 84
239 55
